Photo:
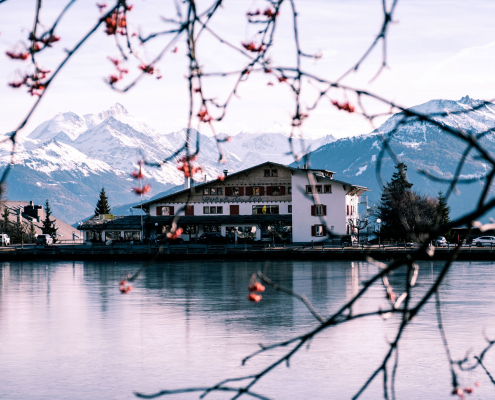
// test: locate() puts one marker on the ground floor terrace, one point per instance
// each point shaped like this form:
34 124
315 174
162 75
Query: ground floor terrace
238 228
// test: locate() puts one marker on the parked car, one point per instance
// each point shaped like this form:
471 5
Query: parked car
483 241
348 240
163 239
44 239
212 238
440 241
5 239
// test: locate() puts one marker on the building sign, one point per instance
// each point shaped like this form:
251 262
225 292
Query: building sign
231 200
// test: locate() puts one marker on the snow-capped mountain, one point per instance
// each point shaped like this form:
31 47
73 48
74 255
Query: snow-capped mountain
421 146
68 158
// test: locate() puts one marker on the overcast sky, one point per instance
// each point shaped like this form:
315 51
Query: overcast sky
436 49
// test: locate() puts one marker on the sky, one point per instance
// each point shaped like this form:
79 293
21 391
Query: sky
436 49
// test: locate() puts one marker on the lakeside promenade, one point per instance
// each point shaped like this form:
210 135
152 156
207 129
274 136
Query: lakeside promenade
127 252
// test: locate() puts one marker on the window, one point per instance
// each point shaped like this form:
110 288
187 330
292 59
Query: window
112 235
274 172
128 236
289 190
318 189
165 211
319 230
290 209
190 229
256 190
267 172
275 190
220 191
212 228
331 228
319 209
213 210
328 189
206 191
265 210
213 191
234 191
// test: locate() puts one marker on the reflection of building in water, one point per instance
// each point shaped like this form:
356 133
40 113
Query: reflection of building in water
319 280
352 279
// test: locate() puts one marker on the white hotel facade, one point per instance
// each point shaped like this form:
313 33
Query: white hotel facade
294 200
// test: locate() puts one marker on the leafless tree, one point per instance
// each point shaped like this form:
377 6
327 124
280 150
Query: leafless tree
190 23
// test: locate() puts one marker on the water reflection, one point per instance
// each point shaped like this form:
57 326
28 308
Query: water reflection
67 332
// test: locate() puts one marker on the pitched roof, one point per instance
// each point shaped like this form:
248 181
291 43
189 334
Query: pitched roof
120 222
160 199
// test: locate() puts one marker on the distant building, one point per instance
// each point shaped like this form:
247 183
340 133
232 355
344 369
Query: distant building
27 212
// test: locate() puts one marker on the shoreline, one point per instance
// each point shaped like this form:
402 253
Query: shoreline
241 253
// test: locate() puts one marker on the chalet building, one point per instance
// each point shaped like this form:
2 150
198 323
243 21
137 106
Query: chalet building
252 202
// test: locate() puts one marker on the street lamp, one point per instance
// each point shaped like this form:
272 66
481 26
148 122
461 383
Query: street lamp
379 221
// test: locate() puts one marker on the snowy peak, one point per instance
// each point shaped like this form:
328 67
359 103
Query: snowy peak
117 110
69 125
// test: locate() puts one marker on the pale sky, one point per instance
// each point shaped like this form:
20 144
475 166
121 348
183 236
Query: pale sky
436 49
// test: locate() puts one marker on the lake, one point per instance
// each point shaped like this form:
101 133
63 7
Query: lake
66 331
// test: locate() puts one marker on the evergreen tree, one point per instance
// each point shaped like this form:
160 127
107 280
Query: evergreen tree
102 207
396 192
6 224
443 210
49 227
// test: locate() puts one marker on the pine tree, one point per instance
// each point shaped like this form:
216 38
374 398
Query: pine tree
443 210
397 191
102 207
49 227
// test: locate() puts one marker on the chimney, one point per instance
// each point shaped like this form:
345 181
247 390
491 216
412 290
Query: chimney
187 183
225 172
31 203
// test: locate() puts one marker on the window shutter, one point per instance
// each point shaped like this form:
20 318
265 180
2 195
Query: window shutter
241 191
348 209
324 210
268 190
324 231
313 230
234 210
282 190
248 191
313 211
159 210
262 190
227 191
189 210
171 208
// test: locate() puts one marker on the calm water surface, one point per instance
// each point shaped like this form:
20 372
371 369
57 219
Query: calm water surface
66 332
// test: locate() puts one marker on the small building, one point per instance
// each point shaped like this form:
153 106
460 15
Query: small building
105 227
27 212
252 203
